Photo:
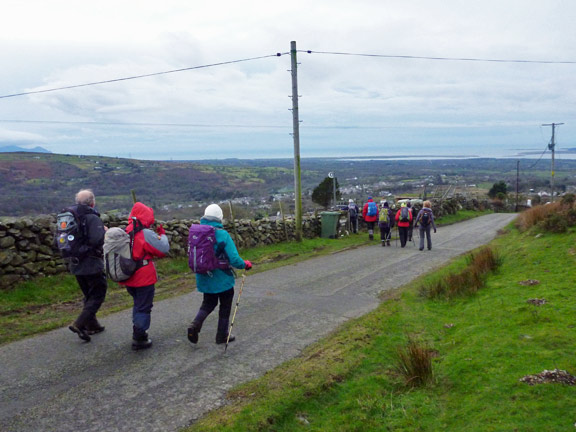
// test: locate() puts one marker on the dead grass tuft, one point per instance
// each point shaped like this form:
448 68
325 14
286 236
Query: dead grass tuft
414 363
467 281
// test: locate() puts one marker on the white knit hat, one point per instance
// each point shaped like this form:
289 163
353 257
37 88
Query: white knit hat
214 212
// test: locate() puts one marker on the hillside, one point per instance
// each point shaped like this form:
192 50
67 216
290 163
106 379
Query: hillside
35 183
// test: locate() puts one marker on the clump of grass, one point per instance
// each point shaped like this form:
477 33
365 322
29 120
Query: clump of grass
485 260
414 363
466 281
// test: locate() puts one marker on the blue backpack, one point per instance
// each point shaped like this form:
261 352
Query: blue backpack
372 209
202 257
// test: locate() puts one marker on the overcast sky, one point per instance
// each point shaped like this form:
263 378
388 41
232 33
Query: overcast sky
349 105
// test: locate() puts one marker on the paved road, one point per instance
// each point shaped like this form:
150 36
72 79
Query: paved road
54 382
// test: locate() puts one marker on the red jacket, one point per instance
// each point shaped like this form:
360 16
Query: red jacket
147 245
403 224
365 212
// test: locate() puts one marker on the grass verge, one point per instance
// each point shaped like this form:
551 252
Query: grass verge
460 216
54 301
483 344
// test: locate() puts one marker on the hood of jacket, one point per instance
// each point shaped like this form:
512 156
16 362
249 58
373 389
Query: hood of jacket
143 213
83 209
210 221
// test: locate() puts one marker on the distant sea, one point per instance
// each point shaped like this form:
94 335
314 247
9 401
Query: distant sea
463 153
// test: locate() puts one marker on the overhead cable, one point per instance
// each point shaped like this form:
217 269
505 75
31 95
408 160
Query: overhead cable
439 58
139 76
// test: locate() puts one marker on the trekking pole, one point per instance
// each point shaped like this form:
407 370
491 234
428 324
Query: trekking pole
235 310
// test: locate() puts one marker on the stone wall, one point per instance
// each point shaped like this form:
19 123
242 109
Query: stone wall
27 251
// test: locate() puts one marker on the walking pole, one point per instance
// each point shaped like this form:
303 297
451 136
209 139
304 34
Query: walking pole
235 309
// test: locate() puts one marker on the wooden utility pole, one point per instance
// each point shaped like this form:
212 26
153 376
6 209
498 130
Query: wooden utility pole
551 147
517 181
233 220
296 134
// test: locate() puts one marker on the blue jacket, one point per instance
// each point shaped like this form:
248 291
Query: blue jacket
220 280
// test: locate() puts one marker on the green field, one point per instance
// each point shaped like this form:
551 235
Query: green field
482 346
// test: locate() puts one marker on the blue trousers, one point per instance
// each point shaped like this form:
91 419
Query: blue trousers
143 299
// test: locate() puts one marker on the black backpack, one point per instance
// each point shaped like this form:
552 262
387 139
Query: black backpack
71 234
425 218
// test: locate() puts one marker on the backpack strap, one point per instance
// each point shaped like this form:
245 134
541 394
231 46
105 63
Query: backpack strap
136 227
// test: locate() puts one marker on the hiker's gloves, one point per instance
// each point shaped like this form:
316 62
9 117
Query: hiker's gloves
247 265
160 230
434 230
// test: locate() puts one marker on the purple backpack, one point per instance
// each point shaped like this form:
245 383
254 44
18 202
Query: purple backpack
201 254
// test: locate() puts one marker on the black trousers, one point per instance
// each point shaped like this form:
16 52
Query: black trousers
403 234
94 288
210 302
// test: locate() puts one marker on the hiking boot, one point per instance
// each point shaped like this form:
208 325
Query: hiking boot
387 243
193 331
80 331
94 327
221 338
141 342
383 244
371 237
95 330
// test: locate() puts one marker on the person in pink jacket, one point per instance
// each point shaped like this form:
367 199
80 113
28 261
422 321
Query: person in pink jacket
404 220
141 285
370 215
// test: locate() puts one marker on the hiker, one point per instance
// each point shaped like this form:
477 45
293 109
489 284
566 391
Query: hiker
370 215
218 284
88 264
426 219
411 227
385 223
403 218
353 212
147 244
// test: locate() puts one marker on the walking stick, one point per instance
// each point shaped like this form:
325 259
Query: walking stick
235 310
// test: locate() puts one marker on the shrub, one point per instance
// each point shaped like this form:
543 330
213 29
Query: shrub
414 363
555 223
467 281
536 215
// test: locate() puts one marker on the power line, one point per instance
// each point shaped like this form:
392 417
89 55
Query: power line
93 123
439 58
140 76
304 126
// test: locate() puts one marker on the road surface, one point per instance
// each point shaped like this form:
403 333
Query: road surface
55 382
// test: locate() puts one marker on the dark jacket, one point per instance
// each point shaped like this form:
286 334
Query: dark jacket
390 223
147 245
93 262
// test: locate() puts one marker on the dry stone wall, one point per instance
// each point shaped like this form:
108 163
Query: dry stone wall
27 244
27 251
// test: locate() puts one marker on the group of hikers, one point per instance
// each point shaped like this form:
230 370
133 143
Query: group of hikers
387 219
89 249
84 250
